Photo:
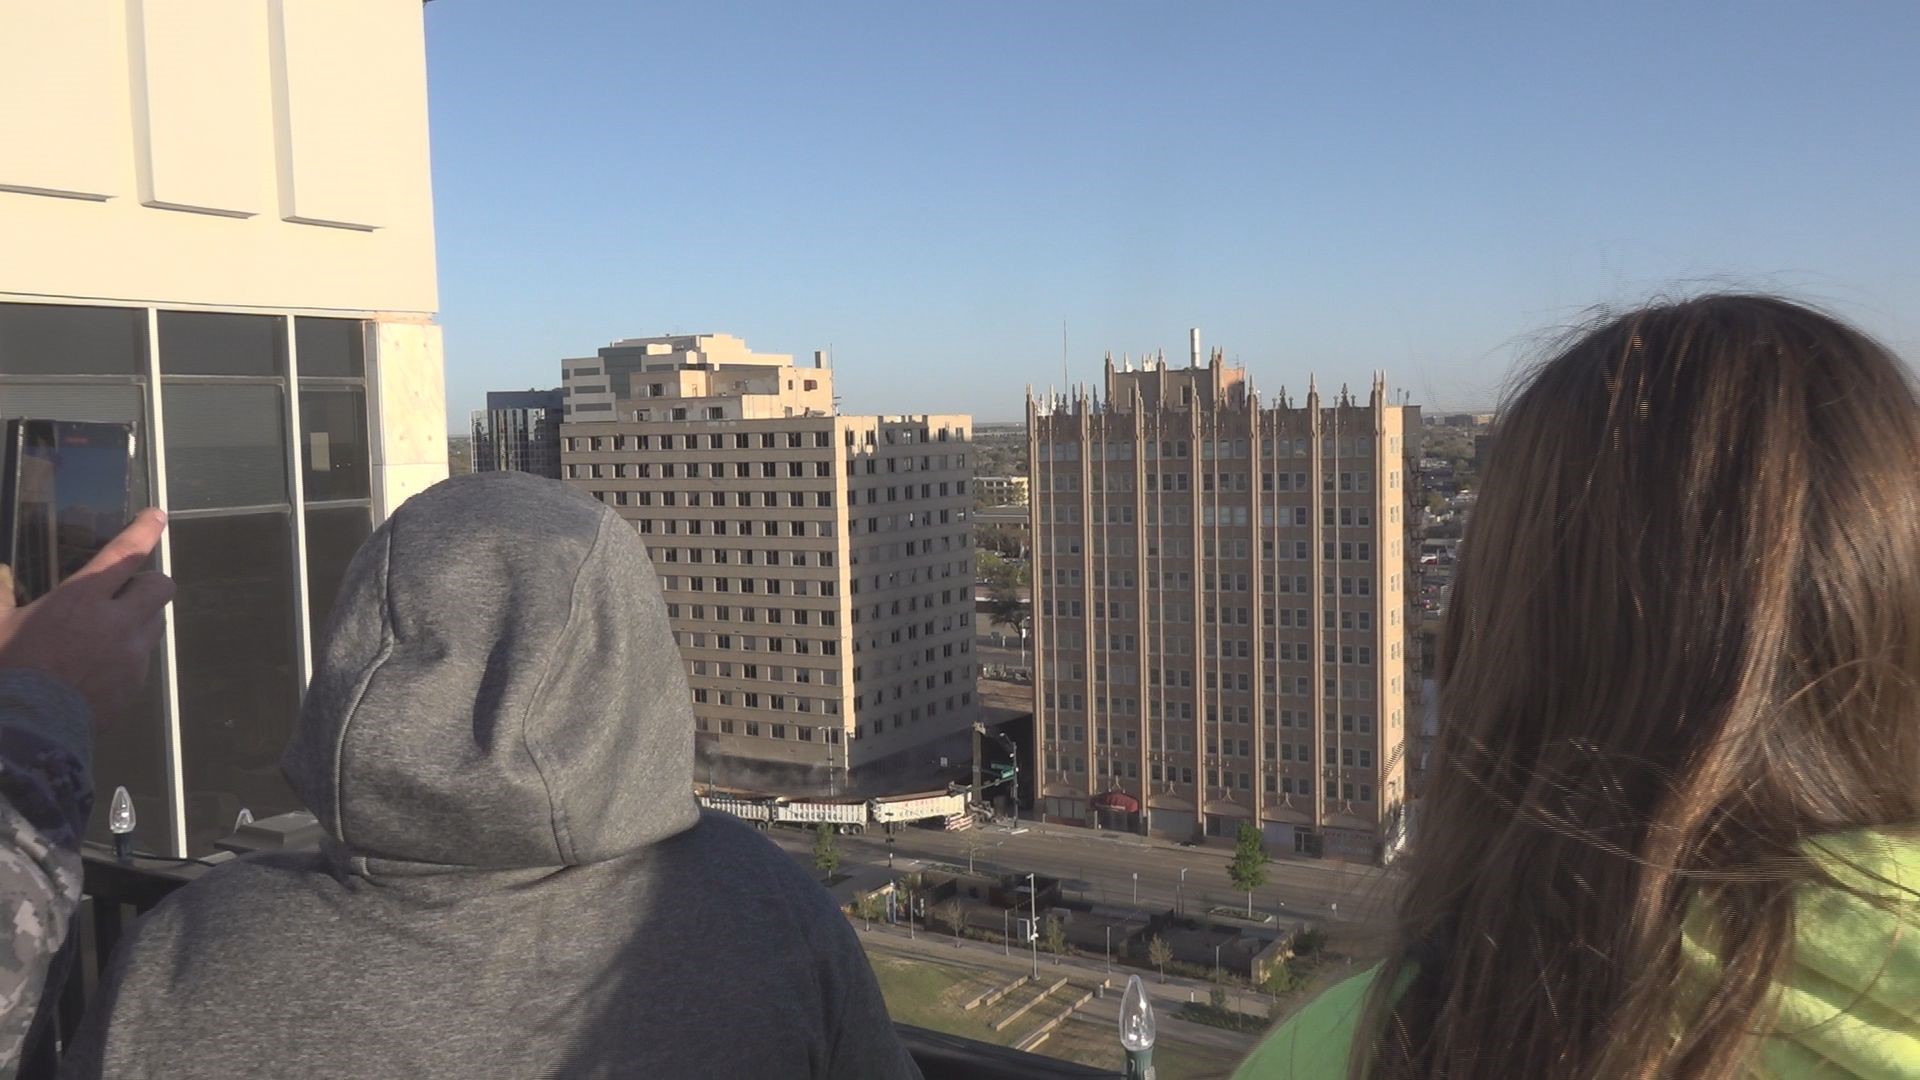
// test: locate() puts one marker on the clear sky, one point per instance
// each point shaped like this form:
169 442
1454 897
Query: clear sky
931 187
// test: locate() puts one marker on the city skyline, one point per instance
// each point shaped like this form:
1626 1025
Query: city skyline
929 193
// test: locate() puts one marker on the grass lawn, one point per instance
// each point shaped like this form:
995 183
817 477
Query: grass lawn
929 994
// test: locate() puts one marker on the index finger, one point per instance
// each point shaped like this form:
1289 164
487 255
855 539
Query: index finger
124 554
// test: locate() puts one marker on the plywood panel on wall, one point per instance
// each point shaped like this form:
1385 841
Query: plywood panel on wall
202 105
63 110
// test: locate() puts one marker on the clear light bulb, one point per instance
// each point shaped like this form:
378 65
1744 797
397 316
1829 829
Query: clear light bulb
1136 1017
245 819
120 817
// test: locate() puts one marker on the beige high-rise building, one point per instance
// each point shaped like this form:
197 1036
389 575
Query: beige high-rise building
818 568
1222 629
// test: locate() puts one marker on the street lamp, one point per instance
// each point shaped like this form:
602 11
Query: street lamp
1136 888
1109 950
1033 930
1179 892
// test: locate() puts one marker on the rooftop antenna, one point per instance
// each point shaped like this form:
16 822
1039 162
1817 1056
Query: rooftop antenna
1063 352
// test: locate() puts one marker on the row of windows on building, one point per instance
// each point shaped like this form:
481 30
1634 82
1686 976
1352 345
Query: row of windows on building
770 671
743 556
1174 540
652 526
893 552
870 466
765 440
757 728
914 714
1182 581
1174 548
1275 687
888 664
1228 682
918 519
1157 482
897 635
927 491
1209 449
697 470
916 684
1223 779
719 499
1166 741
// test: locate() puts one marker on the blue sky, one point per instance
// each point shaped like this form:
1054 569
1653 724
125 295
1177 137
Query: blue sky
931 188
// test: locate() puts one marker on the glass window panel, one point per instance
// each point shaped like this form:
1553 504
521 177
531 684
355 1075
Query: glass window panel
333 443
123 403
331 347
226 446
131 752
334 534
216 343
239 673
55 339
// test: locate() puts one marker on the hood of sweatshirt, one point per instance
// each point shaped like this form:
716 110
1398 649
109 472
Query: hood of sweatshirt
499 688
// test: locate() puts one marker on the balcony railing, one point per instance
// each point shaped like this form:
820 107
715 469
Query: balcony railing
119 891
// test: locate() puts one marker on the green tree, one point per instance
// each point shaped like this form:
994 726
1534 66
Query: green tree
1005 607
1160 952
1248 870
1053 936
869 908
826 851
1309 941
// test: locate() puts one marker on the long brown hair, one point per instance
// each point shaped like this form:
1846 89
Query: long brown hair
1683 639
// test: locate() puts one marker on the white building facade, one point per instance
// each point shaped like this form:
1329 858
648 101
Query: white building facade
217 223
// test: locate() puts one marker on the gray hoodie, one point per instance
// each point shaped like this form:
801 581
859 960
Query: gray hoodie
517 879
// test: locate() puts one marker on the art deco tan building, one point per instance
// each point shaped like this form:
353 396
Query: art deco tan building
818 567
1221 601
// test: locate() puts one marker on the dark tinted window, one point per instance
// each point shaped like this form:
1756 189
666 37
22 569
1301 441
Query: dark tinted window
331 347
134 756
334 534
333 443
214 343
53 339
226 446
234 620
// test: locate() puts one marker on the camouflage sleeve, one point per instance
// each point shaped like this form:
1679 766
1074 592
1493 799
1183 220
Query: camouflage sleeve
45 797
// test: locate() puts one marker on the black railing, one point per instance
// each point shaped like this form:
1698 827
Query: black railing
119 891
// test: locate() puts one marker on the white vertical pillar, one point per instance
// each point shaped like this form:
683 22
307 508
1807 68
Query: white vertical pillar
170 666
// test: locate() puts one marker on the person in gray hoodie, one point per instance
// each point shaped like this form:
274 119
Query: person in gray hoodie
517 880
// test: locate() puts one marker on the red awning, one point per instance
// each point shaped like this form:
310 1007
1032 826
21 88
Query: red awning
1117 800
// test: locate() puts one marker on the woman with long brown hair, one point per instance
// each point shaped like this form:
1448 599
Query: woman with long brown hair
1671 825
